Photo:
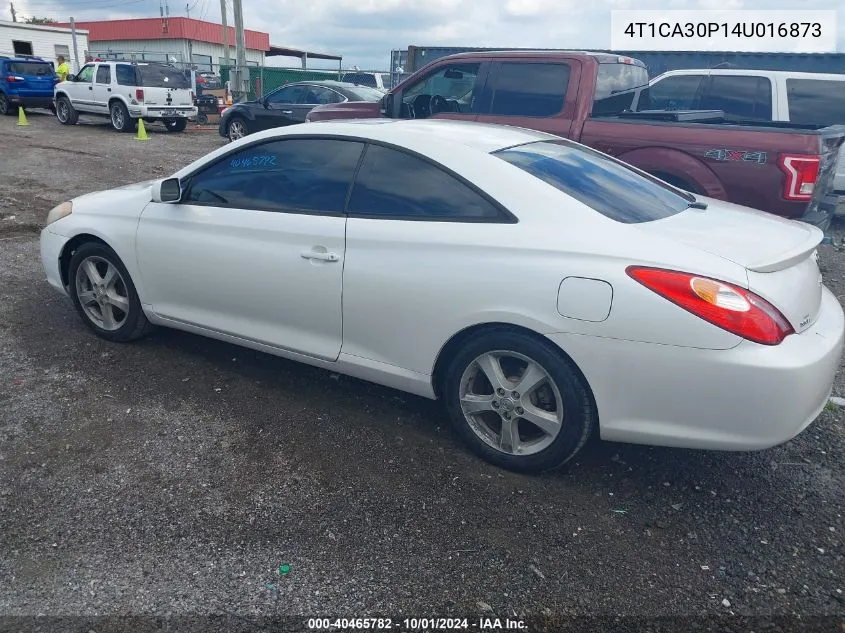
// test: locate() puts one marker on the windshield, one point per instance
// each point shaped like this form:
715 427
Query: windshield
616 87
154 76
363 93
30 68
604 184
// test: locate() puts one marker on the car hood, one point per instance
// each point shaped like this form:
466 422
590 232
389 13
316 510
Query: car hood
144 184
346 110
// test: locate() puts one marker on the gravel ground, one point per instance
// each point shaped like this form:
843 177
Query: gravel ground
173 476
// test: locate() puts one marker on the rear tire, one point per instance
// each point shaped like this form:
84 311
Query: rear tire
537 415
65 112
6 108
176 125
120 119
236 128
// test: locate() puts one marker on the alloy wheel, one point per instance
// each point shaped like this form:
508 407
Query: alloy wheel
102 293
117 119
511 403
237 130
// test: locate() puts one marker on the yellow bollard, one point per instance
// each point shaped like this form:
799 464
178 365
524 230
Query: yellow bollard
142 132
22 117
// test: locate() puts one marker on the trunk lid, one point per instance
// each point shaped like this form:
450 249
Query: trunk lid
346 110
779 255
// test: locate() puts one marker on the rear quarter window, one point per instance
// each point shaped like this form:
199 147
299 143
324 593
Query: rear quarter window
600 182
816 101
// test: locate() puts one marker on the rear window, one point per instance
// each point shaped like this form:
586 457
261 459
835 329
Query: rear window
362 79
815 101
30 68
616 87
602 183
161 77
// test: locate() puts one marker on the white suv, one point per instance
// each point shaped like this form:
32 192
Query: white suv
126 92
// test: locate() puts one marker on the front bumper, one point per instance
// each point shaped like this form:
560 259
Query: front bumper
51 250
749 397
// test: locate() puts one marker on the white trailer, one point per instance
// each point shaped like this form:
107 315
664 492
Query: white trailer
43 40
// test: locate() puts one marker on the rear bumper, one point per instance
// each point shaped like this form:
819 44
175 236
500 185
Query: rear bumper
175 112
31 101
749 397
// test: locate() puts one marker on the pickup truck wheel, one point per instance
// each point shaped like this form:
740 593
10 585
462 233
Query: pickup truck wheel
6 108
120 119
65 112
175 125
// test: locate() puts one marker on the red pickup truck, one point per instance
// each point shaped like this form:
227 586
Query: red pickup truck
779 167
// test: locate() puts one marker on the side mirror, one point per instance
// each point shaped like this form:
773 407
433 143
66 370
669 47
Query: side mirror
387 102
71 78
165 191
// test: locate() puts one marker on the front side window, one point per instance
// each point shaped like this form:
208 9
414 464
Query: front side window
398 185
674 93
125 74
740 96
525 89
103 75
310 175
448 89
288 94
86 74
815 101
605 185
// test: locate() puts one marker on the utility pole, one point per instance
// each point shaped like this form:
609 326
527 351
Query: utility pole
75 49
225 34
188 10
14 15
239 46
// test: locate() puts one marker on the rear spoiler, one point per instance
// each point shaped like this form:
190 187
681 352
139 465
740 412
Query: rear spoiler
794 255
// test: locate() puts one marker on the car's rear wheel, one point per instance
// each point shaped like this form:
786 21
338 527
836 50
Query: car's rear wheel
176 125
65 112
104 295
236 129
120 119
517 401
6 108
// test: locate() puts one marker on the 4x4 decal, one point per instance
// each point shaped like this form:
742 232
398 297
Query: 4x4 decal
737 155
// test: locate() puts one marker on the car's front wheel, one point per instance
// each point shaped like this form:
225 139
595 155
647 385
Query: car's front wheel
65 112
6 108
517 401
104 295
120 119
176 125
236 129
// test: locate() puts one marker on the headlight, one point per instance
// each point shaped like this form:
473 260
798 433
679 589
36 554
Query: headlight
224 111
64 209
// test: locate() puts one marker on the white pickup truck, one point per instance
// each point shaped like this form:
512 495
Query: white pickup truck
763 95
126 92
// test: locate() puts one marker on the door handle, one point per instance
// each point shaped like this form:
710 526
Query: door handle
109 89
90 87
287 111
323 257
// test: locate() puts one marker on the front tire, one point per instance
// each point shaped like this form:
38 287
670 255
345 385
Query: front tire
65 112
517 401
176 125
103 294
236 129
120 119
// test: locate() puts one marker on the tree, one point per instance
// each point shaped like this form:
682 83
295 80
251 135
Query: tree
35 20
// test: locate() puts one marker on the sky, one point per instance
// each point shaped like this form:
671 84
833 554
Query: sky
365 31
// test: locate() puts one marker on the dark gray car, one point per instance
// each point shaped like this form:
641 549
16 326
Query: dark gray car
289 105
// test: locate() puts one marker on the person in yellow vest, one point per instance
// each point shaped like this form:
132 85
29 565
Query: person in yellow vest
62 70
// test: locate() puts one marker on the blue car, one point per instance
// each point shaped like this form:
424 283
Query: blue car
26 81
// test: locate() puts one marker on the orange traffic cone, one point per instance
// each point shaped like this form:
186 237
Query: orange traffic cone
22 117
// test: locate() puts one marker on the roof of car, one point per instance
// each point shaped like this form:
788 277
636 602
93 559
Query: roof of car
549 54
420 134
788 74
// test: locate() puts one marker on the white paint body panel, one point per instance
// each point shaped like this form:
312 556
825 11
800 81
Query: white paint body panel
401 290
584 299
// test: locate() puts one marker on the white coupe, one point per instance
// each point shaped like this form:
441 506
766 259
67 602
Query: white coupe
542 290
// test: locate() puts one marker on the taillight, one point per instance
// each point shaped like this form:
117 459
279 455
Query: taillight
13 79
802 172
729 307
139 94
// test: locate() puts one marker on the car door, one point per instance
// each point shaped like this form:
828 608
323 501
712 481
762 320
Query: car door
256 247
81 89
102 88
540 95
450 91
278 108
